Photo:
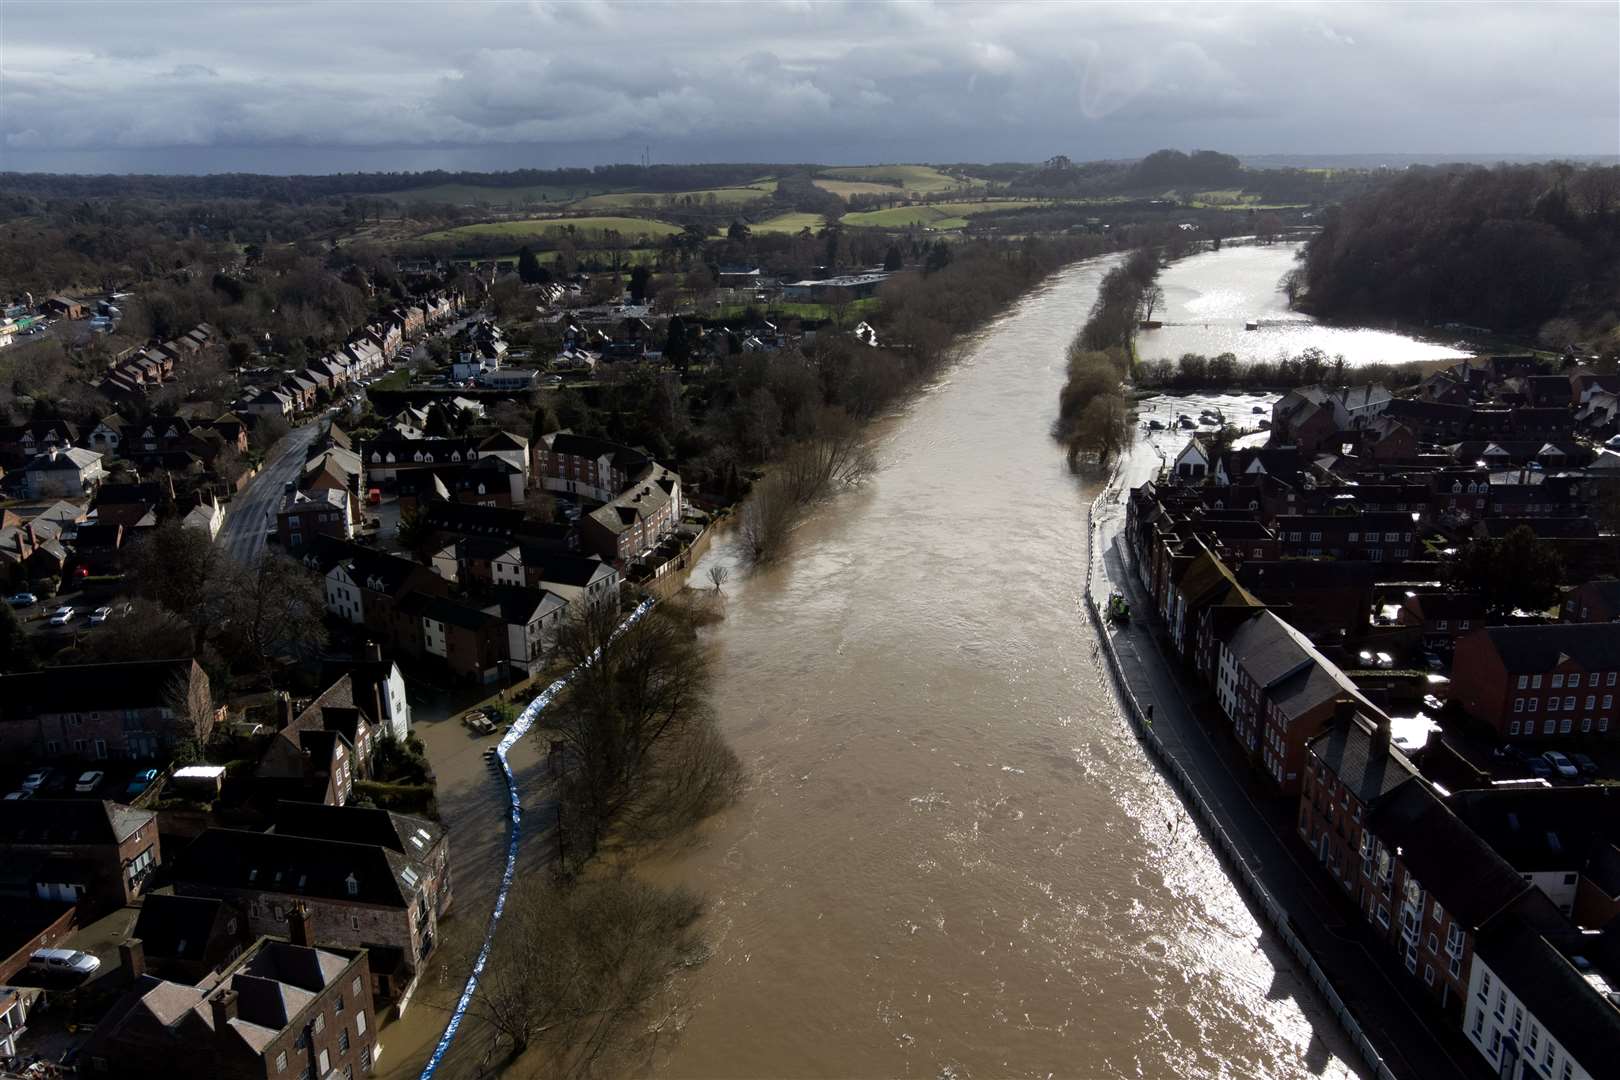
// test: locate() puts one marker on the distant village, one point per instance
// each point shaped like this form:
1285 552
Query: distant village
1405 613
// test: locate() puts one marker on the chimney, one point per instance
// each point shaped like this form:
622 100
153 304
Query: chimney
374 651
132 958
299 930
1344 712
223 1007
1380 736
284 710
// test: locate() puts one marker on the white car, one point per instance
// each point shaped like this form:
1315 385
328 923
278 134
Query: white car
1561 764
100 615
37 779
63 962
89 782
62 616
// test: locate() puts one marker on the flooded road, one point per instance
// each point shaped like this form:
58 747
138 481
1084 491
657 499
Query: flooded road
1210 298
954 859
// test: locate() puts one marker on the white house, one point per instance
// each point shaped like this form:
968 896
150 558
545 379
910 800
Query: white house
343 597
207 516
1192 464
69 472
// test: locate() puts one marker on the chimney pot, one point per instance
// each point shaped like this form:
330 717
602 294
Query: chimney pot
298 925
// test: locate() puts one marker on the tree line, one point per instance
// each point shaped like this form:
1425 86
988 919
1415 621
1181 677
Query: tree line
1521 249
1094 420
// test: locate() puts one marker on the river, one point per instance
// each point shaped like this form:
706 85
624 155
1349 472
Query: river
954 860
1210 298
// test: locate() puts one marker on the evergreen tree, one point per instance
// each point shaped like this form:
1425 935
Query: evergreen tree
677 349
893 260
529 268
16 651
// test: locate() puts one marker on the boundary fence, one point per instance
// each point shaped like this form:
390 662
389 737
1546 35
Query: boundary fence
1276 915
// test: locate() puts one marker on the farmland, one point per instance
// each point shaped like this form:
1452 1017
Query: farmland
475 195
845 188
944 215
788 223
534 227
647 200
920 178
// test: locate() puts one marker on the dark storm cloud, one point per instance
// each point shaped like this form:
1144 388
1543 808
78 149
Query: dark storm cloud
404 83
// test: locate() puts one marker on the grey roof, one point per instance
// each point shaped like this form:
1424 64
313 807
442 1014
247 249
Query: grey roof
410 836
237 859
1448 858
1594 646
68 822
130 684
177 927
1369 767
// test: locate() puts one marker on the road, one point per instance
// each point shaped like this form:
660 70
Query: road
252 512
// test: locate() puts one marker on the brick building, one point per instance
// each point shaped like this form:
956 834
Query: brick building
95 853
134 709
1541 682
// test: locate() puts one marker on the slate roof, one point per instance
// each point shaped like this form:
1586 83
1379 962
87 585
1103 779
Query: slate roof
178 927
67 822
1448 858
131 684
1368 770
1594 646
1542 828
624 457
297 865
410 836
1523 947
572 570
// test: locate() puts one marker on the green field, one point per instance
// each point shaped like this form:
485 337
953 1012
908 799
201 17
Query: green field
793 310
651 200
845 188
583 226
939 216
474 194
923 178
788 223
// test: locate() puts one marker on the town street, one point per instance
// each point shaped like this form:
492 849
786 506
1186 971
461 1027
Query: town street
252 513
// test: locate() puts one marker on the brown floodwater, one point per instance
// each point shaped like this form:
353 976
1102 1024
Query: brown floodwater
954 860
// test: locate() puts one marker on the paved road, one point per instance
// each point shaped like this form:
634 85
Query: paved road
252 512
1411 1035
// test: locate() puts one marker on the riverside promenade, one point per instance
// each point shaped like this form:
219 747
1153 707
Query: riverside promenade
1400 1033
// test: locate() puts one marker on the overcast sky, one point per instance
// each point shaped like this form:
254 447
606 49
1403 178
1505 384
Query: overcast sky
334 86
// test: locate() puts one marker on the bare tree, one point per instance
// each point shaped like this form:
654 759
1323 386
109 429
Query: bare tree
191 704
1152 297
766 520
580 972
718 573
639 702
835 455
273 610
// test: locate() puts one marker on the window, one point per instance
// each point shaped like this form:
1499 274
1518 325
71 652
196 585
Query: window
1558 681
1532 704
343 1041
365 1059
1586 725
281 1061
320 1026
1440 624
1608 701
1434 943
1479 1025
1569 704
1547 728
1591 701
1518 704
1485 986
1428 974
1513 728
1501 1003
1524 680
338 1008
1603 723
302 1040
1383 916
325 1062
360 1022
1552 704
1518 1017
1496 1042
1535 682
1563 726
1610 680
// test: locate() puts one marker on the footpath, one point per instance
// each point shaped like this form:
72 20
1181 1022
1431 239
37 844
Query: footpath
1398 1033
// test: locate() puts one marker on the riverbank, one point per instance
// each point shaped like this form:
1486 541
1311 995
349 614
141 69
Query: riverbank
1390 1027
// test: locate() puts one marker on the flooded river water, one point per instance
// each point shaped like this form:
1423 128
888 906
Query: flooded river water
954 860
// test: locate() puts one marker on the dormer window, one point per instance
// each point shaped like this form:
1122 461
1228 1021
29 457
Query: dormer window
353 885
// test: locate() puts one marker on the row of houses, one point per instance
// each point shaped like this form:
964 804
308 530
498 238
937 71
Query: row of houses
136 372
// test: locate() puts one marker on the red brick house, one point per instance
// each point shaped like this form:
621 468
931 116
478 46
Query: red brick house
1596 601
95 853
1540 682
133 709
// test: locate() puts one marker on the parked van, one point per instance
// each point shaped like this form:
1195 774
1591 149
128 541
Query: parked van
63 962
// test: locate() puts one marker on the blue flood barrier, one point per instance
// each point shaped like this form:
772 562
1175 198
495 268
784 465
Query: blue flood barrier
520 728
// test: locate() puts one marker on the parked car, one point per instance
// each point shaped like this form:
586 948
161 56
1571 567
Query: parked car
1539 768
63 962
100 615
88 782
62 616
1585 764
38 779
22 599
1559 762
141 781
11 796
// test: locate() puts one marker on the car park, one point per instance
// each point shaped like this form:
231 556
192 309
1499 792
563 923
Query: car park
38 779
140 782
1560 764
88 782
100 615
61 616
22 599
